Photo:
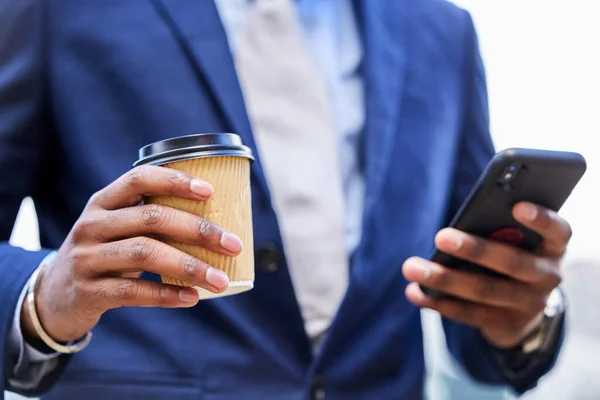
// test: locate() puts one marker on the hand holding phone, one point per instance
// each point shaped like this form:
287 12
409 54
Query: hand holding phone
541 177
496 264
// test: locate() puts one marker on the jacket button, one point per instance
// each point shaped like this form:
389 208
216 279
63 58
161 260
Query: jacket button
317 389
267 258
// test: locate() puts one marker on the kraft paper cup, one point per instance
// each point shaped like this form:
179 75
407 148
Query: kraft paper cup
222 160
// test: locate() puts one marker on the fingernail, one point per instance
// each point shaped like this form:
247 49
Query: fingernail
188 295
424 268
231 242
454 242
201 188
529 212
217 278
421 266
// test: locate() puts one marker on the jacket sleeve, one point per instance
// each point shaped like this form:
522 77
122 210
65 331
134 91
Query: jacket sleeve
465 343
22 144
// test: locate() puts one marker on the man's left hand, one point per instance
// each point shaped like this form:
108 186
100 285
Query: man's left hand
505 310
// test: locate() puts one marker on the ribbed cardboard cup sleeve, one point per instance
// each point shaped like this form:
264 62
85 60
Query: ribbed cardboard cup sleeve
230 208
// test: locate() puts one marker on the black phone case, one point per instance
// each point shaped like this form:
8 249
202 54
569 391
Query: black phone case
543 177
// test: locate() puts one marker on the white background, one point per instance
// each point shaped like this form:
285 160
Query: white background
543 64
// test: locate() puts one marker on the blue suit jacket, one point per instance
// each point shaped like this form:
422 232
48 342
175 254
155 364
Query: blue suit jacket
85 83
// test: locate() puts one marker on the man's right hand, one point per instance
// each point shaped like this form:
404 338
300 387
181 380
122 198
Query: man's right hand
98 265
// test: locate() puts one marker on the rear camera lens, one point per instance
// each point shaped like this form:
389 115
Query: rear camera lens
509 174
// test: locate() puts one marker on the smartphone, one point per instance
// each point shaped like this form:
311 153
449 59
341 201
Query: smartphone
543 177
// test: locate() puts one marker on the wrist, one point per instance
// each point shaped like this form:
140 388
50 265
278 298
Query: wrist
540 345
542 338
71 346
36 318
30 334
514 340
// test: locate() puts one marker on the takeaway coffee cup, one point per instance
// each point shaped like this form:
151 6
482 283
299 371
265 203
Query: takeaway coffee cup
222 160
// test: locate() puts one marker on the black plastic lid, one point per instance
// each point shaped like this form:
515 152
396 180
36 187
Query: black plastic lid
193 146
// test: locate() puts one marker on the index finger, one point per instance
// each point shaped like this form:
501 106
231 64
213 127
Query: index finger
148 180
555 231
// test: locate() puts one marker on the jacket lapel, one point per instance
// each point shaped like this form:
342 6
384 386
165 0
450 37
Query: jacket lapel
384 35
198 28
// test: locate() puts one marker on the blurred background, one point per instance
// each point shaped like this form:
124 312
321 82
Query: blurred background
549 99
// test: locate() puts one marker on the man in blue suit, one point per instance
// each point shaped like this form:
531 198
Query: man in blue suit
85 83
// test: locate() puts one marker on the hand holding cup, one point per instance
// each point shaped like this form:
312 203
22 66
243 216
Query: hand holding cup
196 235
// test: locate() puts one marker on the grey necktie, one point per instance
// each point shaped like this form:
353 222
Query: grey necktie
291 115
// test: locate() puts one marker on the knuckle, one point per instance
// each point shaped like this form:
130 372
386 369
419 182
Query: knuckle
78 258
79 289
475 248
127 292
112 250
83 228
115 217
95 198
153 215
89 294
99 292
485 288
97 298
178 179
79 232
159 295
143 251
206 229
190 267
513 262
442 278
136 177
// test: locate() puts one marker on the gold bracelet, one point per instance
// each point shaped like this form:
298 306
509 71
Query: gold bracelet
69 348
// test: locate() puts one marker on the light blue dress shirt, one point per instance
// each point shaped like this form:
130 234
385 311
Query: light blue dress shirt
332 34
